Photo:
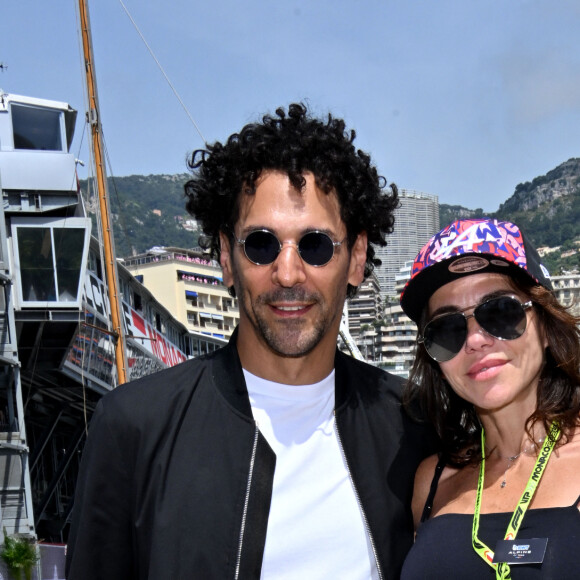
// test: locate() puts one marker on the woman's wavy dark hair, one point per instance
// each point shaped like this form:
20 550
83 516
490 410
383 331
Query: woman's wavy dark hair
294 143
558 398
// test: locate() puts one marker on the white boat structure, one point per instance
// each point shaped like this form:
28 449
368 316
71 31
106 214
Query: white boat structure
57 353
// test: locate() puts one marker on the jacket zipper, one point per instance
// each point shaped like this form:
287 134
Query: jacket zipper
365 520
246 502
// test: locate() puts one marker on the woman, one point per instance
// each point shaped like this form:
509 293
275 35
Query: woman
497 373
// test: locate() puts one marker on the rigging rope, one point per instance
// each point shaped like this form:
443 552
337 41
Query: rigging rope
163 72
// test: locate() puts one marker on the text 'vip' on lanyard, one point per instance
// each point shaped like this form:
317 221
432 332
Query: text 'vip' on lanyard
502 570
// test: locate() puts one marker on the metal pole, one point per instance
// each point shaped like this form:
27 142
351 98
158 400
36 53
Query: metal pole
109 250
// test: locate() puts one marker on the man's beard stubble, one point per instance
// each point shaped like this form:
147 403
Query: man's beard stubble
288 338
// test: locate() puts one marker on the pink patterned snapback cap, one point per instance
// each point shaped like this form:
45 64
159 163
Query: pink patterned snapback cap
467 247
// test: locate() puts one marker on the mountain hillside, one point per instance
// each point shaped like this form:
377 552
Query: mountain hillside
150 211
548 211
560 183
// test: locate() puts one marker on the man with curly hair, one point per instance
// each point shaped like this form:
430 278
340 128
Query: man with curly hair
277 456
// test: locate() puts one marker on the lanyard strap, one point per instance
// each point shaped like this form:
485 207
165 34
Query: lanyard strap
502 570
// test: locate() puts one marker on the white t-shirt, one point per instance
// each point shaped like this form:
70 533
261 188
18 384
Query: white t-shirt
315 527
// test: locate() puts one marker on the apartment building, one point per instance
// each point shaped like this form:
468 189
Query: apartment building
416 220
567 289
190 286
366 308
395 349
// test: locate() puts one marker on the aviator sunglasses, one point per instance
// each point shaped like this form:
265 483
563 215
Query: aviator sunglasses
503 318
262 247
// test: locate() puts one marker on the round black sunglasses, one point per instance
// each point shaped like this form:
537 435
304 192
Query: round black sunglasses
262 247
503 318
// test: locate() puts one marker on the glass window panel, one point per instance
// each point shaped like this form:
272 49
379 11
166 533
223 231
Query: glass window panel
68 244
36 128
36 264
4 325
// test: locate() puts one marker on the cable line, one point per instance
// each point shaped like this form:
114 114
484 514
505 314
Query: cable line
162 71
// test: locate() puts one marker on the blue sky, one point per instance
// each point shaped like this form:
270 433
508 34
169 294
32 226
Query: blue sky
463 99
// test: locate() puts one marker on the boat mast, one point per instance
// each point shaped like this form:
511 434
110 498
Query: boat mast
108 245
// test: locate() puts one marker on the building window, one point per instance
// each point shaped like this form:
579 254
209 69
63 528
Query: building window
4 324
37 128
95 265
137 302
51 256
191 296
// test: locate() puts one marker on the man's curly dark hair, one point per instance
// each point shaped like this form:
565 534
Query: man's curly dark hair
295 143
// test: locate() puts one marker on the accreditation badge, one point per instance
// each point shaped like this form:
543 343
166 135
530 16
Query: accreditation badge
520 551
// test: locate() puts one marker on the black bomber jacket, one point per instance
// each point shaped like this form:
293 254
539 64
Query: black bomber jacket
176 479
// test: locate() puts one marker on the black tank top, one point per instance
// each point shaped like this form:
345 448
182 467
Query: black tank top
443 550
